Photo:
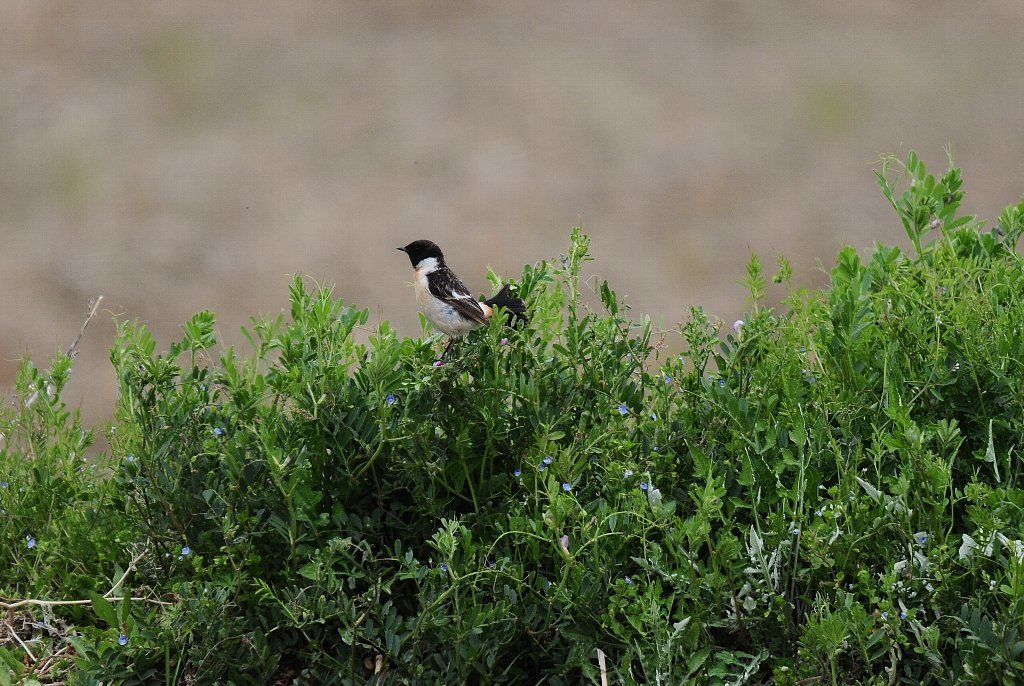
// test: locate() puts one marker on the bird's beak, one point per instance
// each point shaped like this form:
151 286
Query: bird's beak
402 249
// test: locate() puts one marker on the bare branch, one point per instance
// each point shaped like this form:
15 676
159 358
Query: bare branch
72 350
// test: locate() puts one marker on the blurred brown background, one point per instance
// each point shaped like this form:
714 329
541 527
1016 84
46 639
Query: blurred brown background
176 156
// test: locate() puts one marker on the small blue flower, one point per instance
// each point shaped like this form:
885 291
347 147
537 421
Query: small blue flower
122 640
542 468
3 484
795 531
721 383
623 409
885 615
391 399
131 457
921 538
217 431
567 487
643 486
30 541
444 567
668 379
628 579
849 587
185 550
547 459
903 614
516 471
629 473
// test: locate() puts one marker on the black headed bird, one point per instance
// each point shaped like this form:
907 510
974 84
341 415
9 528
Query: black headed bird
444 299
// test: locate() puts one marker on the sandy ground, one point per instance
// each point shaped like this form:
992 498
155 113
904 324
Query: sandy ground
177 156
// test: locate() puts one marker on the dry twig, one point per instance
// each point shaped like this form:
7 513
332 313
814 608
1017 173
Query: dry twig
72 350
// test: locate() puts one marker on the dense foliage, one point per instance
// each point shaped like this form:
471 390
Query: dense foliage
829 493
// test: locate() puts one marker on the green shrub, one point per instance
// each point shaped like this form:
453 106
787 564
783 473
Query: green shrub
829 493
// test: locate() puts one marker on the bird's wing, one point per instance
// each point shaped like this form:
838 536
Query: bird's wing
453 292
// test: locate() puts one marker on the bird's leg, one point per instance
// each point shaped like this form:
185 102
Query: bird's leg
447 348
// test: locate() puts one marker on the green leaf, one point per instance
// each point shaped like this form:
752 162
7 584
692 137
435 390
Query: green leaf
872 492
608 299
12 663
125 608
990 452
103 608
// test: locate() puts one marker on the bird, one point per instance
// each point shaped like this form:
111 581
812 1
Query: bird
446 302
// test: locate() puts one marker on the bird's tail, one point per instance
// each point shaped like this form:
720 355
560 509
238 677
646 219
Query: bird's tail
515 308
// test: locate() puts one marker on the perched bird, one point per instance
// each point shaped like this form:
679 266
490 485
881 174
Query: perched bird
444 299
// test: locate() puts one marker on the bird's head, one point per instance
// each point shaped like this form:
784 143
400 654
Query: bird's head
421 250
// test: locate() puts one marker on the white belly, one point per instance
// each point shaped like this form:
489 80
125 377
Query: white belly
442 316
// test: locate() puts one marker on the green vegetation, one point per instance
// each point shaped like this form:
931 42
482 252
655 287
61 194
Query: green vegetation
831 493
